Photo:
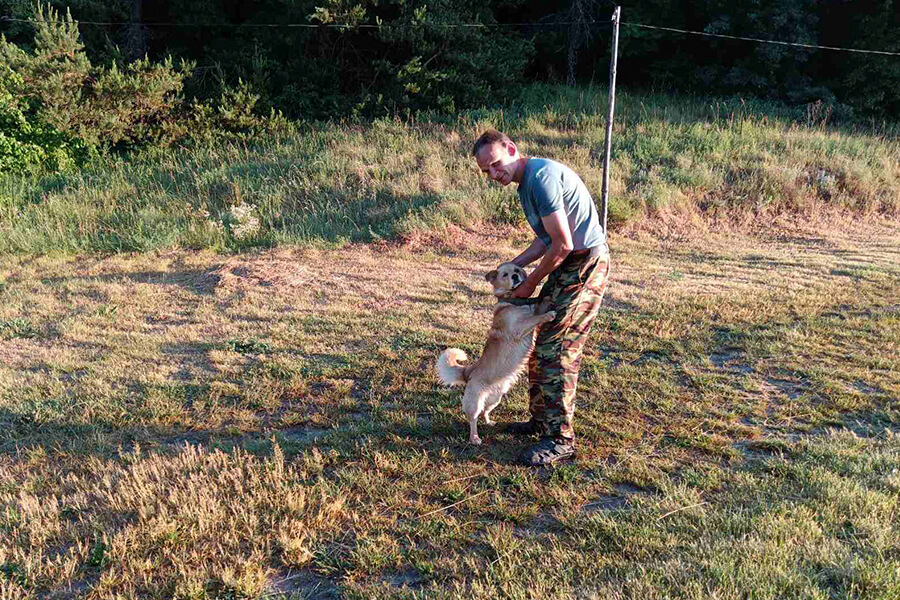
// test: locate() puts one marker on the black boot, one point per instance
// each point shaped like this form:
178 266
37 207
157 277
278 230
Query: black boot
548 451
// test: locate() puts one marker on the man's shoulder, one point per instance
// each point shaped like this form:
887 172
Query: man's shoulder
543 170
543 165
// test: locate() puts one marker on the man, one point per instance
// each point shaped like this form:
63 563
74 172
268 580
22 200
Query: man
574 256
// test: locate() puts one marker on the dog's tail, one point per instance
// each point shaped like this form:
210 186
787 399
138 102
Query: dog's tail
449 369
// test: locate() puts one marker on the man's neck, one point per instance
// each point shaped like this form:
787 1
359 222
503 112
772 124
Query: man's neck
520 172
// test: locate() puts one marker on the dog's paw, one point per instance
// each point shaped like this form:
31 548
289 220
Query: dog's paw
549 316
475 440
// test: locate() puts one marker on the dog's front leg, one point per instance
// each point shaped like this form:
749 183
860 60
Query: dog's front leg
473 431
544 306
527 324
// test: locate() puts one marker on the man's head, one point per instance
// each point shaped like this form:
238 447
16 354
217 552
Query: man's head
505 277
498 157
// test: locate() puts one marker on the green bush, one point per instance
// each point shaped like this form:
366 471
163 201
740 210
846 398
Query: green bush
62 96
233 117
26 144
57 109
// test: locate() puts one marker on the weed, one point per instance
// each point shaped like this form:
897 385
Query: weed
249 346
17 328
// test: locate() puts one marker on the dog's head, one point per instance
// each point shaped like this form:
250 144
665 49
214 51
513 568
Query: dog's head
505 277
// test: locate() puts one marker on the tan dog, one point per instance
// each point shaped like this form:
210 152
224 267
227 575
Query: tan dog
509 343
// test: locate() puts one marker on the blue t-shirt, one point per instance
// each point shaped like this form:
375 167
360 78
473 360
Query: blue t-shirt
548 186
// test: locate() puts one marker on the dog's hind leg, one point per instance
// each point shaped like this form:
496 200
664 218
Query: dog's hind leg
490 403
473 406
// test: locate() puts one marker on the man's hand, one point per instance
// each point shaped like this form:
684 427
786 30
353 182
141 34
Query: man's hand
524 289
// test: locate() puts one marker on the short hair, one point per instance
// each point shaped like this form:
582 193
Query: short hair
491 136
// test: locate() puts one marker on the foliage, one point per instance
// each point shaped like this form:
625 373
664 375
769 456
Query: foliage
840 80
868 82
25 142
234 116
429 63
417 58
57 106
367 58
132 105
381 57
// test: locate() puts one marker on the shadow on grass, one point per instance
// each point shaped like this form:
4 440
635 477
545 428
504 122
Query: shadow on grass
191 356
198 281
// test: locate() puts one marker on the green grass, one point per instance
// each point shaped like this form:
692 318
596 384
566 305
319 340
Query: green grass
180 422
677 160
184 424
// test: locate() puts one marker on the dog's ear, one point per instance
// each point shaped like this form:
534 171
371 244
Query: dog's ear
491 275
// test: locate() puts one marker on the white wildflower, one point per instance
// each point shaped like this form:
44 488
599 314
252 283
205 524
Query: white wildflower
243 222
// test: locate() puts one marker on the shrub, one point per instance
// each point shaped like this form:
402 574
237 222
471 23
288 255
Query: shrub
123 105
234 117
26 143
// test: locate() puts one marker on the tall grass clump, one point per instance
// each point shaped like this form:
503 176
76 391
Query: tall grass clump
182 530
685 159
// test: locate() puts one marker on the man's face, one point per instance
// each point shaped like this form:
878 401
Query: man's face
499 161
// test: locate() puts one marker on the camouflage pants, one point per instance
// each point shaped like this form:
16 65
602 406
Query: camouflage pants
575 290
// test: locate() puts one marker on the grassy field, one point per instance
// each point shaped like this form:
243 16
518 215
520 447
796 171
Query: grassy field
687 162
179 420
189 424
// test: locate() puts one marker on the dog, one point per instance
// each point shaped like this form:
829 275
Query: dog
510 342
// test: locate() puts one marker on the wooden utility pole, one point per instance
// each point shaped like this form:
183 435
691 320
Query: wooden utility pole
604 197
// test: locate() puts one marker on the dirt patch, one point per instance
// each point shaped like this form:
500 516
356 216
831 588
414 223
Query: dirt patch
864 388
776 386
453 239
604 503
262 272
651 357
607 502
405 578
21 353
730 359
303 584
303 435
685 221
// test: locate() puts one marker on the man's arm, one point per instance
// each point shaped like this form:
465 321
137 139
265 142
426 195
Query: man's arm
531 254
557 226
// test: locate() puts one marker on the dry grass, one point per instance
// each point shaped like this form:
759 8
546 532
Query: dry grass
677 163
183 424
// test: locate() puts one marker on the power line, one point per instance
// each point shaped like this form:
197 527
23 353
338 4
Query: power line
325 25
475 26
749 39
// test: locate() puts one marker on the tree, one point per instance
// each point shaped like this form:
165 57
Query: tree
131 104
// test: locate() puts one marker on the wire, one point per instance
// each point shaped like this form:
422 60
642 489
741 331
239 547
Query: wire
749 39
479 26
327 25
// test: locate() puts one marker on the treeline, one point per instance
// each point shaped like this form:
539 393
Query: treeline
418 58
81 77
